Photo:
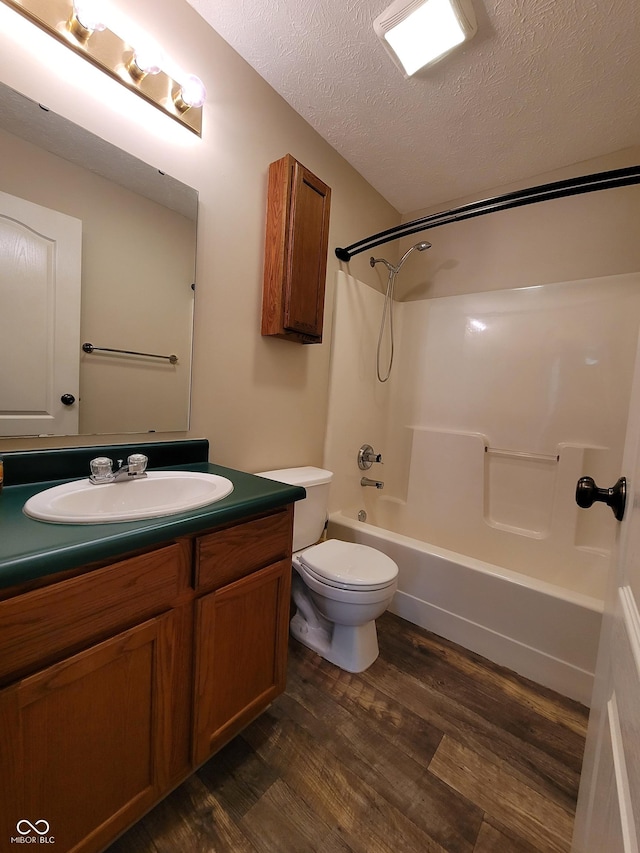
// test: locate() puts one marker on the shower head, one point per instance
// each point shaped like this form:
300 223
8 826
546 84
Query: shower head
419 246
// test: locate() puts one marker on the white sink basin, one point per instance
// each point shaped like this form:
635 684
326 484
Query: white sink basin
159 493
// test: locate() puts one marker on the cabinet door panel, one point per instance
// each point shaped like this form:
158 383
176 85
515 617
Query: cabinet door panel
241 643
84 739
305 281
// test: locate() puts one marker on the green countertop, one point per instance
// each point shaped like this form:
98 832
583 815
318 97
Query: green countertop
31 549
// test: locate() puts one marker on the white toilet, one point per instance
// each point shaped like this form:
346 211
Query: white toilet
339 588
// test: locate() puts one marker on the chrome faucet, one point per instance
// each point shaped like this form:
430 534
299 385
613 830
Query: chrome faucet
365 481
101 469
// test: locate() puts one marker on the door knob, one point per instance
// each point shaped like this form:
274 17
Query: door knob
67 399
587 493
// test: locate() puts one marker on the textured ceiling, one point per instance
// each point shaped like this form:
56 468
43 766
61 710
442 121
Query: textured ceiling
543 84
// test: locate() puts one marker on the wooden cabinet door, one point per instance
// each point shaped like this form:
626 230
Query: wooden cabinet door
307 260
241 654
83 743
296 243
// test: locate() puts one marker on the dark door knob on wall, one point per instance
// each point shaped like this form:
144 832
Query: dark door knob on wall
67 399
587 493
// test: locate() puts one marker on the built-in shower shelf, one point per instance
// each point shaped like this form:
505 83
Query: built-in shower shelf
519 531
592 549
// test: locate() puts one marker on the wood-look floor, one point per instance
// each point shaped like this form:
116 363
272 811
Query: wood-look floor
432 749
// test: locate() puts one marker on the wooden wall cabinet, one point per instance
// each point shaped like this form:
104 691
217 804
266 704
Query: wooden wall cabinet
295 267
101 713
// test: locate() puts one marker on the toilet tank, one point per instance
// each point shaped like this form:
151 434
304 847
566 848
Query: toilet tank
310 514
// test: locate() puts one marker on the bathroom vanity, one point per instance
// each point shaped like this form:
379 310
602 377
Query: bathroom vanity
122 673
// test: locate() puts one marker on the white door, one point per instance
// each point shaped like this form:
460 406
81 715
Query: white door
608 813
40 271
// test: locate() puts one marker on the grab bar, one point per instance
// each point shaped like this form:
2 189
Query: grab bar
523 454
173 359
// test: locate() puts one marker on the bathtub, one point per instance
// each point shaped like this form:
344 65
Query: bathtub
546 632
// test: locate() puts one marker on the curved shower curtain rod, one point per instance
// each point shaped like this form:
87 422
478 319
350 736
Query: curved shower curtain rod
532 195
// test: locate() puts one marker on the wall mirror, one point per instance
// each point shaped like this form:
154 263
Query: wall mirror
96 247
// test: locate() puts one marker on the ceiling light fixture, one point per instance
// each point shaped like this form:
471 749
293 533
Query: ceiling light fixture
420 32
86 27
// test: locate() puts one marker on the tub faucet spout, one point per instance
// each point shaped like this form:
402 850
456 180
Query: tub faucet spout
365 481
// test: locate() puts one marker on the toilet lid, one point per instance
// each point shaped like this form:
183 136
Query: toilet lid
349 564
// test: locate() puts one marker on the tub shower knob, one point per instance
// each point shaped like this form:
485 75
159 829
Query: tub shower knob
587 493
367 456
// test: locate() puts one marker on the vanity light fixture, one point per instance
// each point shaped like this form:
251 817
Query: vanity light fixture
420 32
86 27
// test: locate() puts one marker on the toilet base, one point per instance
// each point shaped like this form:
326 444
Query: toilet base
351 647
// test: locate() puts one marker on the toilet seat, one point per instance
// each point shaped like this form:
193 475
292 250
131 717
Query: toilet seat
348 565
309 573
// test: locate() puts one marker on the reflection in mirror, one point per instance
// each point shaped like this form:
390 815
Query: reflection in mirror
74 207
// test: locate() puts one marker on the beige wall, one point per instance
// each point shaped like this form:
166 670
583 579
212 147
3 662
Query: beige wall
262 403
567 239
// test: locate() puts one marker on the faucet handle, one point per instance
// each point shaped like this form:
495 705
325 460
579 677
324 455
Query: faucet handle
101 468
137 463
367 456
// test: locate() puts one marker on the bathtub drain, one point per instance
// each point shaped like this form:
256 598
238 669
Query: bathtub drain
362 515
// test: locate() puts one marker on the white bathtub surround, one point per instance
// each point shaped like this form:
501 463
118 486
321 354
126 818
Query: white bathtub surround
512 510
498 403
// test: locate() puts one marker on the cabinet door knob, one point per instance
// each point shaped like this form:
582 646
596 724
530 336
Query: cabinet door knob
587 493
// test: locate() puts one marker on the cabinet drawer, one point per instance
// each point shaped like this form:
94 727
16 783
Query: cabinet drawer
39 626
234 552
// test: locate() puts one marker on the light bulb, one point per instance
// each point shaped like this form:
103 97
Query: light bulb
90 14
192 92
148 57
